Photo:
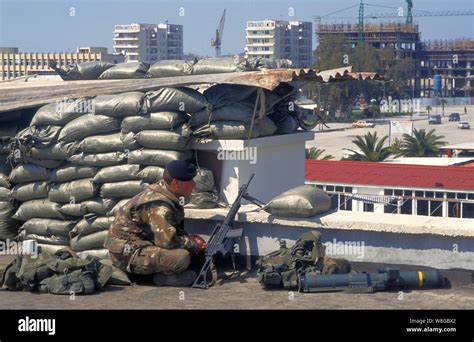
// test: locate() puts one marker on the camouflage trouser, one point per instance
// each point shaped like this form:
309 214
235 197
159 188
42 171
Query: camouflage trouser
153 259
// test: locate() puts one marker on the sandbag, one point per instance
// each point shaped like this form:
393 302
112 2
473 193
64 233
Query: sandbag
4 194
160 121
4 183
71 172
118 277
59 151
236 130
124 189
218 65
51 249
88 242
170 68
204 180
5 166
176 99
241 111
8 225
260 63
60 113
303 201
30 191
108 143
89 226
151 174
48 227
87 125
41 208
37 136
102 254
119 105
99 206
125 71
156 157
178 139
79 190
73 209
117 174
287 125
50 239
98 160
81 71
46 163
203 200
25 173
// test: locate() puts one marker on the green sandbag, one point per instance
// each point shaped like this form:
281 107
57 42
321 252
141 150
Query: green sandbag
97 160
163 120
88 226
40 208
124 189
30 191
119 105
108 143
60 113
99 206
91 241
81 71
151 174
59 240
8 225
181 99
126 70
87 125
72 172
118 277
48 227
157 157
26 173
117 173
79 190
102 254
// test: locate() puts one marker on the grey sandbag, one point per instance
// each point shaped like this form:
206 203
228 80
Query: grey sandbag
260 63
73 209
50 239
287 125
41 208
99 206
118 277
30 191
37 136
25 173
102 254
303 201
203 200
156 157
79 190
50 249
8 225
124 189
181 99
4 183
241 111
236 130
87 125
204 180
99 159
108 143
170 68
91 241
81 71
46 163
92 225
178 139
126 70
165 120
119 105
5 166
117 173
59 151
60 113
151 174
4 194
218 65
48 227
71 172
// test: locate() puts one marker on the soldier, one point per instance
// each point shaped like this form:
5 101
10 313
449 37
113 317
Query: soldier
148 237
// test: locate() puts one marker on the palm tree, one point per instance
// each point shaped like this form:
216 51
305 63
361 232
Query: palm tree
429 109
371 148
315 153
421 144
396 147
443 103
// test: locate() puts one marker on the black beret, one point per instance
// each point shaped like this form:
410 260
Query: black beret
181 170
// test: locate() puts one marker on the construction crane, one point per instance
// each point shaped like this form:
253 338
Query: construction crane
217 40
410 13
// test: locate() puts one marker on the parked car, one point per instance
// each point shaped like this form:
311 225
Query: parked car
454 117
435 119
464 125
362 124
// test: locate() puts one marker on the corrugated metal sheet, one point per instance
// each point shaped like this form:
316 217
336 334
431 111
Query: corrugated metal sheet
19 96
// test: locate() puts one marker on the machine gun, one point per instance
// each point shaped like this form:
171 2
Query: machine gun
222 237
386 280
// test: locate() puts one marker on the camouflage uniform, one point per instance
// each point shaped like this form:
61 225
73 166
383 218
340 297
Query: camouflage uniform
147 236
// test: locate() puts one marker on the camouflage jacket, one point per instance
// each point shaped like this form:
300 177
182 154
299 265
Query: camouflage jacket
153 217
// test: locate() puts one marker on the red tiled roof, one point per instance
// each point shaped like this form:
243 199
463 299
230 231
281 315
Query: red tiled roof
403 175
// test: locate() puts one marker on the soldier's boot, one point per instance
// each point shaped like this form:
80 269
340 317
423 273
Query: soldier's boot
183 279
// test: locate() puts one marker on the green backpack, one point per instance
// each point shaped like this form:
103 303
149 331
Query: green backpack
280 268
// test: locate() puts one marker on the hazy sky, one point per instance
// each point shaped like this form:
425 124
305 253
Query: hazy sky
46 25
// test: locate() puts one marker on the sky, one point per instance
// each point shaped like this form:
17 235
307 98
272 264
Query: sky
48 26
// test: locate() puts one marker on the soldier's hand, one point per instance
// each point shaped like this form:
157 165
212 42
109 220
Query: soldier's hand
199 241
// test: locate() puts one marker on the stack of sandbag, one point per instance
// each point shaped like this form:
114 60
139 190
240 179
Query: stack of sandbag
80 71
74 168
204 194
235 112
125 71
